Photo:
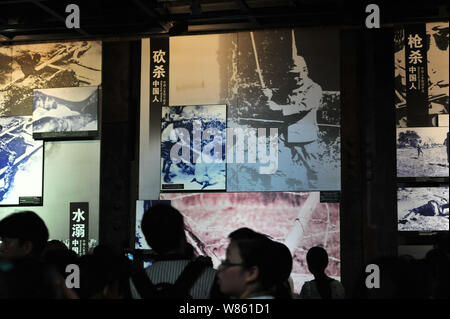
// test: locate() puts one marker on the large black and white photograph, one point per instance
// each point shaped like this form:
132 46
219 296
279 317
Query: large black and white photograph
65 112
288 80
423 208
437 56
422 152
48 65
193 147
21 161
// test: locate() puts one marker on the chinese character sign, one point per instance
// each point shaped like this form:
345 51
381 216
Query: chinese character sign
79 227
416 72
159 71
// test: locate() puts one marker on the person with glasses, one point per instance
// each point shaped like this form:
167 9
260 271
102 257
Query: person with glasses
255 267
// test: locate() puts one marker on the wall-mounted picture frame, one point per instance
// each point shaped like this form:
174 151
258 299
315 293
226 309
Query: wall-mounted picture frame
66 113
21 163
193 140
423 208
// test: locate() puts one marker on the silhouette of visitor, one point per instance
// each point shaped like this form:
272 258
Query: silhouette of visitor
322 287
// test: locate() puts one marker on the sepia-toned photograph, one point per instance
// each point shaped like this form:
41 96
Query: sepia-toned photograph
437 43
422 152
47 65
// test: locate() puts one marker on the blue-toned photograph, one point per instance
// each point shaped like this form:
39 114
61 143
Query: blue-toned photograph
193 147
141 207
21 160
65 112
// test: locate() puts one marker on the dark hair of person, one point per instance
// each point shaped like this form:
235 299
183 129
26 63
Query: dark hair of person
104 267
163 228
26 226
273 260
317 259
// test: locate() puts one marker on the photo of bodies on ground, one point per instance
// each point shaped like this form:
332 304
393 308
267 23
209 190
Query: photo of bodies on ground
422 152
423 208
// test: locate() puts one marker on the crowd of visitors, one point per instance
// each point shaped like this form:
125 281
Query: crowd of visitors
254 267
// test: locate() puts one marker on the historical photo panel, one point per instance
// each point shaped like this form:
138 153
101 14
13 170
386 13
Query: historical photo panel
48 65
433 55
423 208
65 112
21 161
422 152
297 219
193 147
286 88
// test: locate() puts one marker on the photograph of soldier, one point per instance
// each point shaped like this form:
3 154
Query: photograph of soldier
289 80
421 152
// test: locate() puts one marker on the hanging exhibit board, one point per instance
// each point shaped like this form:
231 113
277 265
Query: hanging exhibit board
299 220
65 112
193 147
421 73
421 102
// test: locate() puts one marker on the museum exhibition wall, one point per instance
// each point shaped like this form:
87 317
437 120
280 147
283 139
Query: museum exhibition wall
232 106
50 147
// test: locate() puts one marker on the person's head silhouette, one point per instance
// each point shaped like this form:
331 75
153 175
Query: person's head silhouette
317 259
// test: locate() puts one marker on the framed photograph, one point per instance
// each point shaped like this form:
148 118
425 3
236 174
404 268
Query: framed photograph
193 148
297 219
65 112
141 208
422 208
422 152
21 162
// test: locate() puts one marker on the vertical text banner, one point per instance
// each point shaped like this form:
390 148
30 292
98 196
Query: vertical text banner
416 74
79 228
159 71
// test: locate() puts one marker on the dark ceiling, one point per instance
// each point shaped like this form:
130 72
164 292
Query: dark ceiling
40 20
